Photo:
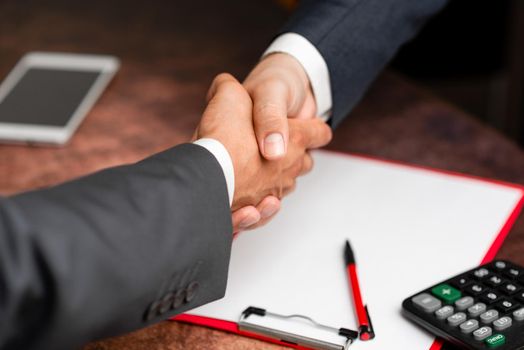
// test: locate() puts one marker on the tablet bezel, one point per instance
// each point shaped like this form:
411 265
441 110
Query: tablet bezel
107 66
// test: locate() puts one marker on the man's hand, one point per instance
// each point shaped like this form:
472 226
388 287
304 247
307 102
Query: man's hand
258 182
280 90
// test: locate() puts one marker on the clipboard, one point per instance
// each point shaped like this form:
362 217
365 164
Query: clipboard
297 330
399 218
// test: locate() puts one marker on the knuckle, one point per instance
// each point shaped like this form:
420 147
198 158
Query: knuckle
328 134
323 132
227 82
297 169
297 138
223 77
308 164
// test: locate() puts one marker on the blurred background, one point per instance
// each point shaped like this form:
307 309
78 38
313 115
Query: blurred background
472 54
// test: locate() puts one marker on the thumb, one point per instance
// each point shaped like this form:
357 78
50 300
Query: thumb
270 120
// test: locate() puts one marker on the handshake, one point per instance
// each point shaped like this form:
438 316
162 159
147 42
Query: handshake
268 125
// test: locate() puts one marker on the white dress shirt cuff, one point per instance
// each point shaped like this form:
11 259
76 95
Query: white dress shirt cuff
224 159
314 65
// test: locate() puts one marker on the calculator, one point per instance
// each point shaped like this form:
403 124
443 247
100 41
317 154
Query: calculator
479 309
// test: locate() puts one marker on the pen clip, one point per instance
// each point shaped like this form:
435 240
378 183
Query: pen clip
350 334
367 332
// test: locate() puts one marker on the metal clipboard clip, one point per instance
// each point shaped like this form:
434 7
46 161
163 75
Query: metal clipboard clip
296 330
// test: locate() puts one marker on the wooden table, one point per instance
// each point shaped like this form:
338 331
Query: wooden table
170 51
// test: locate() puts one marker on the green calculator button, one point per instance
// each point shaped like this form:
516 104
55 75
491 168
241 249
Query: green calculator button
495 340
446 293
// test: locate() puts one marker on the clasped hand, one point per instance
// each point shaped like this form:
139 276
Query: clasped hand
266 164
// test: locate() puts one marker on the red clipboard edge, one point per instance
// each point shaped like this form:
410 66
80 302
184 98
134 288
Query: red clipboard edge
232 327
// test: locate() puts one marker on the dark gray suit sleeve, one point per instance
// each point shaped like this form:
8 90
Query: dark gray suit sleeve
113 251
357 38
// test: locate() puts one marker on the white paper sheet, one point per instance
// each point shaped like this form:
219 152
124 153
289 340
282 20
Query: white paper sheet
409 228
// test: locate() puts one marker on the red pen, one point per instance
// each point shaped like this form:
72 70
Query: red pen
365 328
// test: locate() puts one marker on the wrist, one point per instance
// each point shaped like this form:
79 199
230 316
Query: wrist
312 63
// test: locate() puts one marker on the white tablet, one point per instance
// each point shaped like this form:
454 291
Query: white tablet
46 95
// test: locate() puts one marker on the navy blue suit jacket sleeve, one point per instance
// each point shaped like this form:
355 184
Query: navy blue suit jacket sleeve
357 38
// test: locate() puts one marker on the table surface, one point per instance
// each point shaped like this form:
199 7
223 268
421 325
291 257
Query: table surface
170 51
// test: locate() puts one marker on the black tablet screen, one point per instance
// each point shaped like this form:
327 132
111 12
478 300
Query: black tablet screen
45 96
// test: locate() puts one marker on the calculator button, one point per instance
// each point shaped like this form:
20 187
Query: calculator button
489 316
519 314
475 289
490 297
446 293
482 333
513 273
427 302
477 309
495 341
469 326
500 265
464 303
444 312
456 319
461 282
481 273
506 305
495 281
509 288
520 296
502 323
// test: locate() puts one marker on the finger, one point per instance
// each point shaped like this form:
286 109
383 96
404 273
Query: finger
307 164
244 217
266 213
268 207
313 133
270 119
261 223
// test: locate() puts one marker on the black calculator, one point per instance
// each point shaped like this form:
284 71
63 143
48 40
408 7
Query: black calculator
479 309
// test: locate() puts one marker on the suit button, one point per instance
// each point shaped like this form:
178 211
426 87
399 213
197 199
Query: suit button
192 290
166 303
179 298
152 311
